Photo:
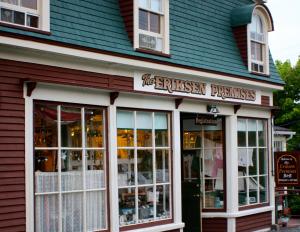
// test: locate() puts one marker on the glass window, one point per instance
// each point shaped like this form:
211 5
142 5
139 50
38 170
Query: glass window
20 12
70 182
203 151
252 161
143 167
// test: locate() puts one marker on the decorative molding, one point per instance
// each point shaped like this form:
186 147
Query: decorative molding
236 108
178 102
31 85
113 97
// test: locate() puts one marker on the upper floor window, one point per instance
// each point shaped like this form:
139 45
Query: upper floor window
26 13
152 25
259 55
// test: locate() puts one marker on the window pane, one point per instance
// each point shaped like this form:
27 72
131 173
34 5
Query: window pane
154 23
6 15
144 129
71 127
32 4
46 175
251 133
241 133
125 138
161 130
125 119
156 5
32 21
19 18
252 157
143 20
46 213
145 167
14 2
192 140
213 162
94 127
159 44
253 187
126 167
144 3
253 51
71 168
95 210
259 52
263 161
45 125
261 126
95 176
162 166
214 199
243 159
243 183
127 206
213 135
146 201
72 212
163 202
263 189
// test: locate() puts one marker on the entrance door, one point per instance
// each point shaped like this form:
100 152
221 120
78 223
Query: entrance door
191 176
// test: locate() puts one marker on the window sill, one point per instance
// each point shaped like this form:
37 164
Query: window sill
148 226
152 52
254 206
25 28
167 227
260 74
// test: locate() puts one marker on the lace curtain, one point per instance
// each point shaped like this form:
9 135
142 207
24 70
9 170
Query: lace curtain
47 205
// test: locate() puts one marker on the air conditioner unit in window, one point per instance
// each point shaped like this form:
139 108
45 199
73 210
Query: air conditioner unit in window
150 42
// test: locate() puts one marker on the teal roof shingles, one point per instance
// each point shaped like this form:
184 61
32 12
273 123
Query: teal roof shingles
200 33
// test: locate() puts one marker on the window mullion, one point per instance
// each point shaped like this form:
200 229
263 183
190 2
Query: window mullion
135 169
59 168
257 163
247 166
154 166
84 166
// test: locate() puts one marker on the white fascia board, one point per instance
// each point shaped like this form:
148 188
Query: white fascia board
129 63
284 132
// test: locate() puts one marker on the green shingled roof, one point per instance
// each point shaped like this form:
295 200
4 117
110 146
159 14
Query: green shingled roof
200 32
242 15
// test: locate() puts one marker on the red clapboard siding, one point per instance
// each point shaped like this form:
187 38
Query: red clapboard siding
240 34
12 160
126 8
44 73
214 224
265 100
254 222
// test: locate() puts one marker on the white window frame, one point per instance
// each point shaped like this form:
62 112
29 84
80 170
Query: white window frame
265 47
164 26
154 184
84 149
258 175
42 12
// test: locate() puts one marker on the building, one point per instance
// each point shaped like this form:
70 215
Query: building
281 136
149 115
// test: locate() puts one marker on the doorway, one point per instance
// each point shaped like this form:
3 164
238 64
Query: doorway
202 139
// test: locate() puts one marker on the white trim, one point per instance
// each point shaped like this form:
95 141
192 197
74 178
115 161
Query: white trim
161 228
231 224
51 52
238 214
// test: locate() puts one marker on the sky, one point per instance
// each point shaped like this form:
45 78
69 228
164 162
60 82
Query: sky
284 41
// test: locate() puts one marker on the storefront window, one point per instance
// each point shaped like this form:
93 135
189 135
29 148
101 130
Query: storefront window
253 161
203 160
143 166
70 182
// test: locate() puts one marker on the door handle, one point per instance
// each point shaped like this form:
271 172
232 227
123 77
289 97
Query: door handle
196 195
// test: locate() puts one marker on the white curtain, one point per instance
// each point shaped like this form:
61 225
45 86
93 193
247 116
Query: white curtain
47 206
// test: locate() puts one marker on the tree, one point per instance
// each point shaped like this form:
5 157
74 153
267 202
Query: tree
289 101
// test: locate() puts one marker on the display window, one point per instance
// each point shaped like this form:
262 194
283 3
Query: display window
70 184
252 161
144 166
204 160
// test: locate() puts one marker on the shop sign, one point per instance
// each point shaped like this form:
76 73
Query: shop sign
185 87
287 168
206 120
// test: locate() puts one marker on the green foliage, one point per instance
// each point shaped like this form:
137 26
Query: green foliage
289 100
294 203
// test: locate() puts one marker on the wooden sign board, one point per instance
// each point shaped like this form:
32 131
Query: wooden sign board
287 168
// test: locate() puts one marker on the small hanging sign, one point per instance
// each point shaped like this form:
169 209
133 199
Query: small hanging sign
287 169
206 120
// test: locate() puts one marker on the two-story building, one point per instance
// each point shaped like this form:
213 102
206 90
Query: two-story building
136 115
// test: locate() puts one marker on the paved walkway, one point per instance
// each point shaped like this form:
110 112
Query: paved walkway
293 226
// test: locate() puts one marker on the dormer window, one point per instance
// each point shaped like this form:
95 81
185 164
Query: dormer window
259 47
152 25
25 13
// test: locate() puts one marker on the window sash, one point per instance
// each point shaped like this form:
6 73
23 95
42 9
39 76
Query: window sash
85 190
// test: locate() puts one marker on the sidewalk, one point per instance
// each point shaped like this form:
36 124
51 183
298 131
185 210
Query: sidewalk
293 225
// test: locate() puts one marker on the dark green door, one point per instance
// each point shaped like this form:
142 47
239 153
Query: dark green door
191 172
